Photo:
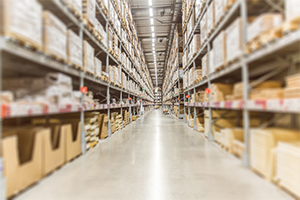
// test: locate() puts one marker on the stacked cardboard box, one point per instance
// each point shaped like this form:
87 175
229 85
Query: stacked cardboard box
233 35
219 91
262 148
292 89
104 127
92 129
88 58
55 36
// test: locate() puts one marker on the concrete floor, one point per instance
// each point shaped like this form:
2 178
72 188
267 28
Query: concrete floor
158 158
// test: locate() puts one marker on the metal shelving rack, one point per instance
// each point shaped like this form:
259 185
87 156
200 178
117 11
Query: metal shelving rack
244 64
39 64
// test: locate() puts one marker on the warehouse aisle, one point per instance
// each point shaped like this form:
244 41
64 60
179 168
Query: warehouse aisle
156 158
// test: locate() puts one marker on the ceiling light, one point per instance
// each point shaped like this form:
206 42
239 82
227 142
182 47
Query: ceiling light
153 40
153 35
151 21
150 2
152 28
151 12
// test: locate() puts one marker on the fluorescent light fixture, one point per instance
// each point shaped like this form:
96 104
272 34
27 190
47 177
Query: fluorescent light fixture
152 28
153 44
151 21
151 12
153 40
150 2
153 35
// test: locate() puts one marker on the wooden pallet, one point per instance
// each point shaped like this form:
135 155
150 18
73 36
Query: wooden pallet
75 66
287 190
291 25
258 173
88 25
55 57
24 42
97 35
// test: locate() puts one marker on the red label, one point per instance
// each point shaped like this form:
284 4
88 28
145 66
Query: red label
207 90
83 90
129 98
177 98
187 96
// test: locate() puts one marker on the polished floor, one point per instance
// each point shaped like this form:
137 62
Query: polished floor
156 158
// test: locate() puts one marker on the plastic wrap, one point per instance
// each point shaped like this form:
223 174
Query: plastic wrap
74 49
89 11
55 36
88 58
219 10
292 8
22 20
234 40
219 51
98 67
203 28
211 17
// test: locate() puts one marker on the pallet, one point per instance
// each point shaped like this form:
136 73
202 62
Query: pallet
75 66
88 25
287 190
291 25
22 41
55 57
97 35
258 173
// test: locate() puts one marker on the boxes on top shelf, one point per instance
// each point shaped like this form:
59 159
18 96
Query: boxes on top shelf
234 41
219 10
89 13
22 20
203 28
292 8
211 17
55 36
98 67
76 6
219 49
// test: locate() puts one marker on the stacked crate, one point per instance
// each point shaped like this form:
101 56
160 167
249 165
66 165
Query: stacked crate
92 129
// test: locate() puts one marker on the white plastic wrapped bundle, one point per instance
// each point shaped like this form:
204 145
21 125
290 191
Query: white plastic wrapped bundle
292 8
74 49
203 27
89 12
211 17
98 67
219 51
76 6
88 58
22 20
55 36
219 10
234 40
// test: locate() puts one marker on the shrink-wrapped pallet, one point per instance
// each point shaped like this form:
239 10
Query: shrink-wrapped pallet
196 43
219 10
263 142
292 8
89 12
204 66
74 49
112 74
211 17
211 61
203 28
55 36
22 20
234 41
263 23
219 49
76 6
88 58
288 165
98 67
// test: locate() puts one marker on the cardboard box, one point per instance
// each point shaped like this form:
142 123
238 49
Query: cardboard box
55 36
211 62
88 58
53 149
22 20
203 28
72 133
22 155
74 49
76 6
219 10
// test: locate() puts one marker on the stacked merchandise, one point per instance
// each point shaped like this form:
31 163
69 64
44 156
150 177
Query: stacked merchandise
227 136
219 91
92 129
112 124
191 121
292 89
263 143
267 85
200 96
53 89
118 122
126 117
287 166
200 123
104 127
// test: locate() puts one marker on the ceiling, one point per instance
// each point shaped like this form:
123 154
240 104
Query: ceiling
166 13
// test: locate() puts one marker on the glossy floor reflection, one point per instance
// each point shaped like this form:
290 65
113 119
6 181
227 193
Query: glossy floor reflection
156 158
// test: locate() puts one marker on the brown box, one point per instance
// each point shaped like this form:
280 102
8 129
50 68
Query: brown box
22 155
54 36
54 148
72 132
